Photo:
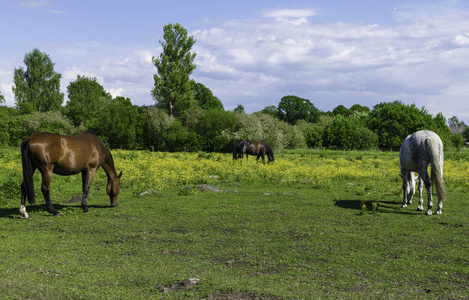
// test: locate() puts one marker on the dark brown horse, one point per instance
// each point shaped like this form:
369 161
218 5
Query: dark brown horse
259 148
65 155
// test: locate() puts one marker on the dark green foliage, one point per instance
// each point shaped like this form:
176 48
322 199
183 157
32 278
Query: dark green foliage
179 138
38 87
465 133
86 100
348 133
313 136
239 109
204 97
358 109
457 140
291 109
341 110
270 110
212 125
394 121
120 124
7 114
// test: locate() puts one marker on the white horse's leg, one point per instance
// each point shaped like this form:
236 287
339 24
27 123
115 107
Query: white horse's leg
420 207
405 187
23 212
439 207
411 188
440 202
428 186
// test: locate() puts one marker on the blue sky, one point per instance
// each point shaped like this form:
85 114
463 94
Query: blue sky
255 52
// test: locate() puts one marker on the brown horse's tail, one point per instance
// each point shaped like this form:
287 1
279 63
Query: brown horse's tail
437 169
28 184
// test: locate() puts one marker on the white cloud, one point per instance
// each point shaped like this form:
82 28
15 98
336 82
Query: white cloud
416 61
35 4
43 5
290 13
462 39
123 72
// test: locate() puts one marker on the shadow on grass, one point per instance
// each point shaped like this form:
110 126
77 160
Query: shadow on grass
35 208
382 206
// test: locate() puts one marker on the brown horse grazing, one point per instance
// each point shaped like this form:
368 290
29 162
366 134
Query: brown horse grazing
65 155
260 149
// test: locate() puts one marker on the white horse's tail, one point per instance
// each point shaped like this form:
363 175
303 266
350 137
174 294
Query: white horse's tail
437 168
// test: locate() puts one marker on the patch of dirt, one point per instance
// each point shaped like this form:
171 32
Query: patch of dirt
239 296
210 188
76 199
179 286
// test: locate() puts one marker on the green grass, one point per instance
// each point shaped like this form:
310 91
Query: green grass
252 241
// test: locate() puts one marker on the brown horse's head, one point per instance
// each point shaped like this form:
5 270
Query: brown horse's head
113 188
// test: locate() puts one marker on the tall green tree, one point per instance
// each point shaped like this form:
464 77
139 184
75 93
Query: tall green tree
86 99
292 109
37 88
239 109
205 98
454 122
173 90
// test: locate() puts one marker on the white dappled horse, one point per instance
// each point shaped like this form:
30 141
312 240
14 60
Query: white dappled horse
418 151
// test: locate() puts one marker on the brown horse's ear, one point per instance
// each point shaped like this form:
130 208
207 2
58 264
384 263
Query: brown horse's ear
120 174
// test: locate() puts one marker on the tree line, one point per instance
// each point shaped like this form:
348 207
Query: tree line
188 117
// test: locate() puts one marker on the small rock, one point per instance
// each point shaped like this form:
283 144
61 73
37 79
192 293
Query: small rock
150 192
76 199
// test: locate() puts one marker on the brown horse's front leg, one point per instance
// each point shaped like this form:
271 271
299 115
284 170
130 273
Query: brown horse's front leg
263 159
86 177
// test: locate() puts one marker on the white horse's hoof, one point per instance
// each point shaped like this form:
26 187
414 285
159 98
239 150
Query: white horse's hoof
438 212
419 208
429 212
403 205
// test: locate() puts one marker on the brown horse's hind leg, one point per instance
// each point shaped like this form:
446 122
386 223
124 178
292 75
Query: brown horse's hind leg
45 189
86 177
23 212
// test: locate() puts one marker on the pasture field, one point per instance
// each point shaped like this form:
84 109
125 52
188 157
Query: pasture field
311 225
